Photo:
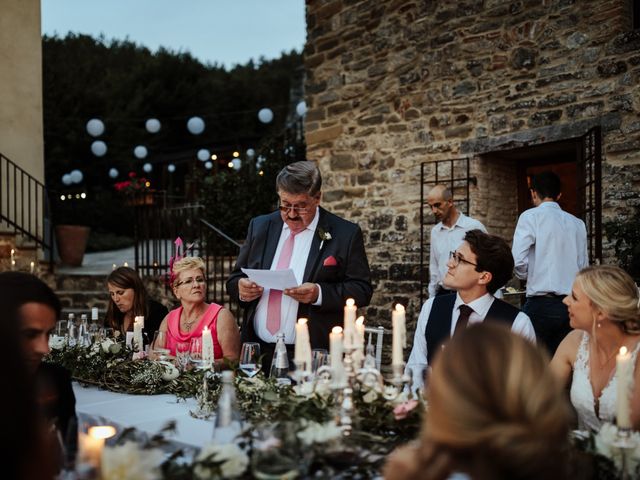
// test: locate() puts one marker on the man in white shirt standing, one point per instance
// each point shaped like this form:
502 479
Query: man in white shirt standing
476 270
549 249
445 236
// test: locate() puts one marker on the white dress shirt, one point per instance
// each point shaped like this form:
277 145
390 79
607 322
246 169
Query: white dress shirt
443 241
418 357
549 249
289 307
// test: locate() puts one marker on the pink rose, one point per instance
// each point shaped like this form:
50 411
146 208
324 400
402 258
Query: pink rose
139 355
401 411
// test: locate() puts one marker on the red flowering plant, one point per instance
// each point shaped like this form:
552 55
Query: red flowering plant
132 186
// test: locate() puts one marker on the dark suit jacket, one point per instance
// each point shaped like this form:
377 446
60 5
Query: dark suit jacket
350 278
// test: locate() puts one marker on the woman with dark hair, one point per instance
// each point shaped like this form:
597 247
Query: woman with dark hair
130 299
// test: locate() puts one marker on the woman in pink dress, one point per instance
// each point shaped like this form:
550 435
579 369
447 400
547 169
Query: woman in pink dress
187 321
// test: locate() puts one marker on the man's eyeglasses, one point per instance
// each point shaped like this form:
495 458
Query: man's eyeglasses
457 258
295 208
189 281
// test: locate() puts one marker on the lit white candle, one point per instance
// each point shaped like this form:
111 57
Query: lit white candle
399 335
137 335
302 355
90 445
623 374
138 318
335 350
32 267
114 267
349 322
13 259
358 354
126 264
207 347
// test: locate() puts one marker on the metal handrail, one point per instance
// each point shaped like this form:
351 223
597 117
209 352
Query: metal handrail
25 207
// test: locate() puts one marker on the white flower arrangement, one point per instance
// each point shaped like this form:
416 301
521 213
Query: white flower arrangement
319 433
233 461
605 441
130 462
57 342
170 371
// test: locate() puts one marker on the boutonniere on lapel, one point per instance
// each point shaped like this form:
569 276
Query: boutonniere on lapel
324 236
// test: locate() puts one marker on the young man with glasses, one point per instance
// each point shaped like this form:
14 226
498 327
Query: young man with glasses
480 265
325 252
445 236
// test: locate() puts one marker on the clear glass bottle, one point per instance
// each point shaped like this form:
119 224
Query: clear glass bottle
72 330
280 362
83 331
228 424
94 326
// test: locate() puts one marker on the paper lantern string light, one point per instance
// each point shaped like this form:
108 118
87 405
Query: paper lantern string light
203 155
113 173
153 125
95 127
195 125
301 108
265 115
140 152
99 148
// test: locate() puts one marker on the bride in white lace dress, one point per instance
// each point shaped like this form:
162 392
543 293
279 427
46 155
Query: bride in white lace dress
604 310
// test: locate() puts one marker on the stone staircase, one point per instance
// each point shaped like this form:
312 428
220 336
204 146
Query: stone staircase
79 293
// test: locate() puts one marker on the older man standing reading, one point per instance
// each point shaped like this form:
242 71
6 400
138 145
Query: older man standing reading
325 252
445 236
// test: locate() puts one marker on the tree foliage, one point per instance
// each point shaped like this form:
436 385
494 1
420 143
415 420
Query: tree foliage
124 84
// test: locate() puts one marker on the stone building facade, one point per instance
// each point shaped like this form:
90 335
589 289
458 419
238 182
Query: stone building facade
512 86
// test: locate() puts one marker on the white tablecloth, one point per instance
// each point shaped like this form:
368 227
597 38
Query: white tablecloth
147 413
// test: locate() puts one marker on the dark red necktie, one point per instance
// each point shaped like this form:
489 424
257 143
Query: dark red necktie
463 319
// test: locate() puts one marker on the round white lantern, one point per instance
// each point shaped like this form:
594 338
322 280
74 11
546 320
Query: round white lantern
195 125
204 155
171 167
147 167
66 179
237 163
140 152
152 125
260 162
98 148
76 176
251 153
208 165
301 108
95 127
113 172
265 115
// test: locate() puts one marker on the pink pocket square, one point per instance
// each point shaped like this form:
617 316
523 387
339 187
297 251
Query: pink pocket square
330 261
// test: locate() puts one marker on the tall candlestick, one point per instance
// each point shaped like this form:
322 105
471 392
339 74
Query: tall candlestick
32 267
399 335
349 322
302 354
623 374
335 350
207 347
91 444
137 336
138 318
13 259
358 354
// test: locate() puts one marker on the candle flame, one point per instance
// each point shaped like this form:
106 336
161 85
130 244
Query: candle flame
623 350
12 251
350 302
105 431
302 321
336 330
360 321
399 308
205 329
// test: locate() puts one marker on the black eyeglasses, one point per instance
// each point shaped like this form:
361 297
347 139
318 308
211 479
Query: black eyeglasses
295 208
457 258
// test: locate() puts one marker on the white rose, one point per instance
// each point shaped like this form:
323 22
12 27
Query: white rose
319 433
56 342
304 389
106 345
130 462
234 460
170 371
370 396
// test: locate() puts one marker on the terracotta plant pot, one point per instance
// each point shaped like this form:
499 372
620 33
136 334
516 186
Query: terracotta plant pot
72 242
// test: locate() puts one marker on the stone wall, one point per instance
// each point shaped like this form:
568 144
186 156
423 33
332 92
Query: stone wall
394 83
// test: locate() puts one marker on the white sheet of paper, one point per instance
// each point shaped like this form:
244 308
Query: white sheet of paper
272 279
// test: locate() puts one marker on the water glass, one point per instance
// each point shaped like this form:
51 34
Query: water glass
159 345
182 355
250 358
195 352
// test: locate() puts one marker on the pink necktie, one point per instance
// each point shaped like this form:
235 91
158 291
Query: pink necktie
275 296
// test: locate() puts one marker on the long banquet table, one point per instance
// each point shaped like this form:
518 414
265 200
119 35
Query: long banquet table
146 413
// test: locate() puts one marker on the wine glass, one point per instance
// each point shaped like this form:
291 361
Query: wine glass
159 345
182 355
319 358
195 352
250 358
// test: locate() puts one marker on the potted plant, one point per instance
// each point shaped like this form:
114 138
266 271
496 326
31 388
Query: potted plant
70 216
136 190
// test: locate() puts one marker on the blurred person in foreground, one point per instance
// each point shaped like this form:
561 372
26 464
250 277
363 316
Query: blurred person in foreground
496 411
129 299
186 322
40 399
604 310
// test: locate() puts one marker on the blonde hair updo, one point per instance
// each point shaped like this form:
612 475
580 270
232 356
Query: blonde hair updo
612 290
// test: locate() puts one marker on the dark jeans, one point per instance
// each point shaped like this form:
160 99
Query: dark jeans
550 320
